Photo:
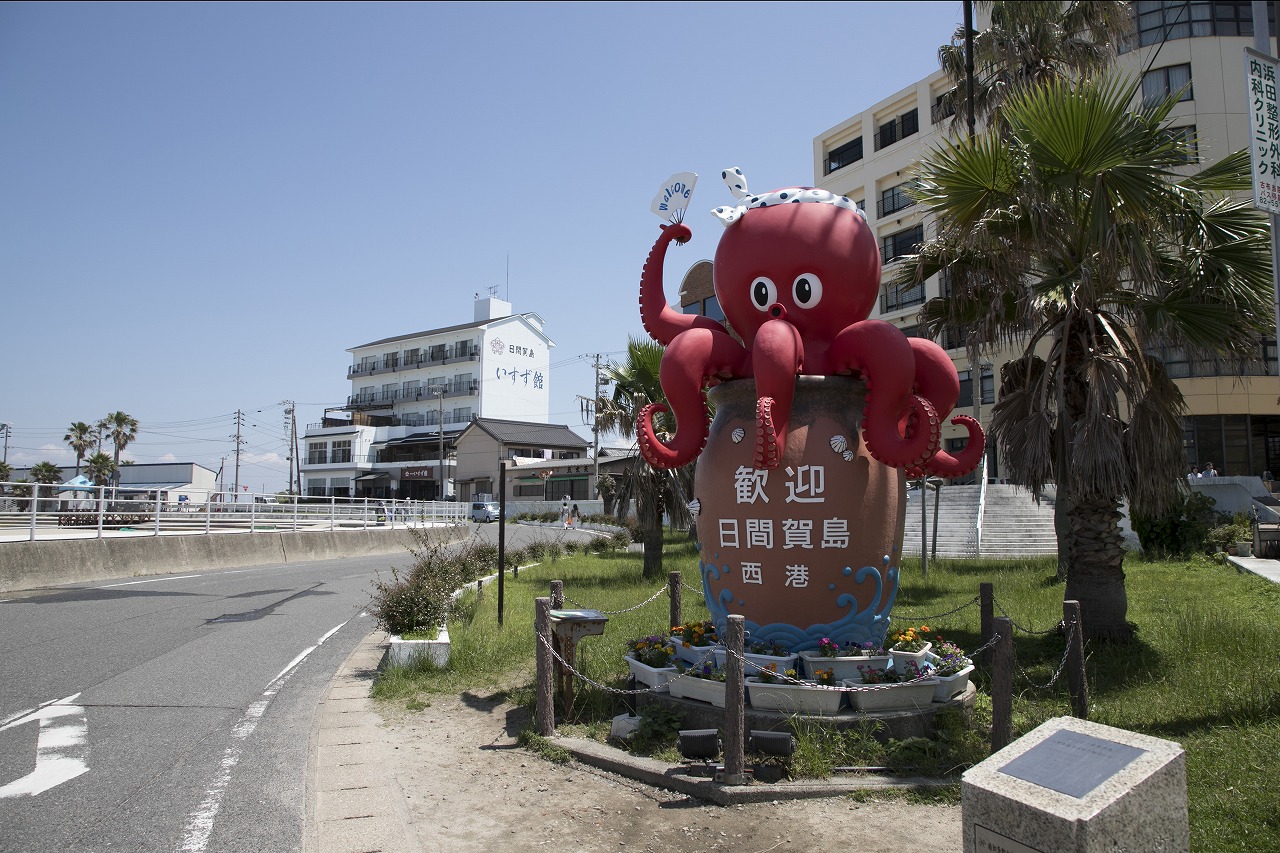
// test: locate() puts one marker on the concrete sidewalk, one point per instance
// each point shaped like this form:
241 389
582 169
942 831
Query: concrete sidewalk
1269 569
354 805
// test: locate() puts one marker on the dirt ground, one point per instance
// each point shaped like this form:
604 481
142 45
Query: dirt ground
471 789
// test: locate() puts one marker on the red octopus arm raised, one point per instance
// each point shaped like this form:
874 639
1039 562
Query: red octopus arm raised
660 320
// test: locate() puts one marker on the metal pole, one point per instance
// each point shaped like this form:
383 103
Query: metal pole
924 528
208 512
968 64
35 503
253 513
1262 43
102 508
159 510
937 502
295 512
502 531
333 510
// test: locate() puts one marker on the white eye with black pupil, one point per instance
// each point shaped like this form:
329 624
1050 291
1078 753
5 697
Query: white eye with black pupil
763 293
807 290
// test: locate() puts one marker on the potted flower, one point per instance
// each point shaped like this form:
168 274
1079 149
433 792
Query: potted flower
760 654
844 660
909 644
702 681
694 641
892 689
770 692
651 660
951 666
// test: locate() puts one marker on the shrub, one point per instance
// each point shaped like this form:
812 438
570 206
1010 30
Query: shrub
1182 531
1227 535
420 598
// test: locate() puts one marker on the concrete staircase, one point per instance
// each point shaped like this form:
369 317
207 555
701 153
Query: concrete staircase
1013 525
957 508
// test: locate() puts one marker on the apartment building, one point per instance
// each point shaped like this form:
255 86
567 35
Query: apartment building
412 395
1196 48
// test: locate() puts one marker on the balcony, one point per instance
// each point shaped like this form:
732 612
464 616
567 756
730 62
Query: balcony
433 356
907 124
898 298
891 201
903 243
944 108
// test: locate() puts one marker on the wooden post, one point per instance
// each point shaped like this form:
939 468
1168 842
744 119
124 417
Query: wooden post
545 715
673 593
987 602
734 722
1002 686
1076 682
557 595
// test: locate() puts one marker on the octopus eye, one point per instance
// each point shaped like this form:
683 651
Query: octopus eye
763 293
807 290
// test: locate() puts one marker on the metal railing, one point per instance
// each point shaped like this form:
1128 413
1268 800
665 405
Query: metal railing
27 514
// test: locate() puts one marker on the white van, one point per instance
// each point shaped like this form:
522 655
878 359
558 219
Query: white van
484 511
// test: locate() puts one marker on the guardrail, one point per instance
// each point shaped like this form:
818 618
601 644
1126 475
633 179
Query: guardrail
39 513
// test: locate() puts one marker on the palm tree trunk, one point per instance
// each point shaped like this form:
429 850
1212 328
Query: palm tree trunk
649 514
1096 578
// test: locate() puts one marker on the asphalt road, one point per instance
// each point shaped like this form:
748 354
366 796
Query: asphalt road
173 713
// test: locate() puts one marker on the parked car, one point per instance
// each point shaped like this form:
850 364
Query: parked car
484 511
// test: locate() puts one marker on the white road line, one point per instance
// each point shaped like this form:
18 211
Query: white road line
199 826
62 747
150 580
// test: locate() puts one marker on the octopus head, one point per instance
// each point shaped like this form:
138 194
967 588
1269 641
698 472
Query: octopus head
798 254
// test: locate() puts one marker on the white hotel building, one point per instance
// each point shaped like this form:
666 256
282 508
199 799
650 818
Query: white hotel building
1232 420
411 394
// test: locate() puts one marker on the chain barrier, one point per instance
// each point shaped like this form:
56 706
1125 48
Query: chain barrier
616 612
1066 653
1006 615
694 589
970 603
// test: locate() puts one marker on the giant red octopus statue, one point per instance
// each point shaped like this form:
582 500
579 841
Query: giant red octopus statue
797 272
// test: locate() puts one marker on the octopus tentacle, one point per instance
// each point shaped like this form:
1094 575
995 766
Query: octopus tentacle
943 464
694 358
661 321
901 428
766 453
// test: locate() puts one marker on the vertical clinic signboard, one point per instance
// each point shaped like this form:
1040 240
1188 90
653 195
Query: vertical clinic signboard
1264 129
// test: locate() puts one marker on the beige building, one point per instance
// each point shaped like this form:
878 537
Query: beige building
1234 421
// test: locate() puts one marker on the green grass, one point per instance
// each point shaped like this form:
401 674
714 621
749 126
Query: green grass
1204 671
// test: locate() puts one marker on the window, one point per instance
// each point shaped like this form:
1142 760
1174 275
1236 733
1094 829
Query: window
437 352
897 297
462 414
530 490
317 452
412 390
894 199
902 243
341 451
1161 82
901 127
709 307
1186 136
965 400
850 152
911 332
411 357
1166 20
389 390
391 360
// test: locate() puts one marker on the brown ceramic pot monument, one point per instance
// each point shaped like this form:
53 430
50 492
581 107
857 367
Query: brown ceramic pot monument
809 549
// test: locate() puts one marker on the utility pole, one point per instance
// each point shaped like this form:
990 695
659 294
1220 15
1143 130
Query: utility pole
6 428
438 390
239 441
291 443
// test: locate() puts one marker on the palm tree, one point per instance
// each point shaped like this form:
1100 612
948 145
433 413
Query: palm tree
81 437
1075 238
45 473
655 490
1031 42
122 429
99 468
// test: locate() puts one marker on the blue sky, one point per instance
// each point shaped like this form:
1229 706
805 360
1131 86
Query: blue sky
202 206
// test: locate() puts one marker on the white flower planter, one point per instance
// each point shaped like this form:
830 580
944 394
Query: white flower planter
403 652
793 698
892 697
919 657
951 685
783 663
653 676
702 689
696 654
844 667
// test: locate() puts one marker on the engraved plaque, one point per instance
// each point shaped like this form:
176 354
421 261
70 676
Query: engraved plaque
989 841
1071 763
